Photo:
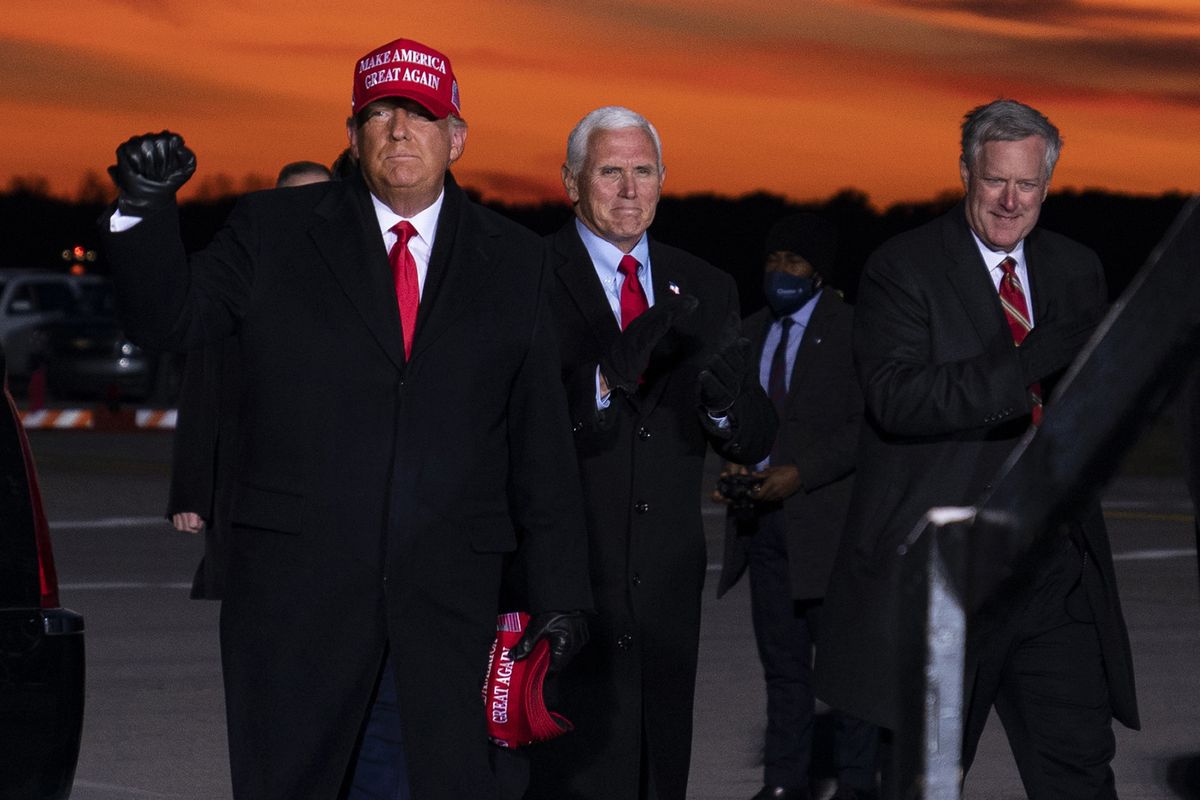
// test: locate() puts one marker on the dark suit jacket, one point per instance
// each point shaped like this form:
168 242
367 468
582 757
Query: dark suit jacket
641 467
377 499
819 436
946 403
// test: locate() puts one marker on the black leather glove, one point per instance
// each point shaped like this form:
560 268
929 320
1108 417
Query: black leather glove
722 377
629 355
149 170
565 631
1052 345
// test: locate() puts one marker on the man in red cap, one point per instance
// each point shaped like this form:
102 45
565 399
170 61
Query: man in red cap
403 435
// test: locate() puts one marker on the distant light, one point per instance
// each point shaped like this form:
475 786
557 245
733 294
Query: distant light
78 253
77 269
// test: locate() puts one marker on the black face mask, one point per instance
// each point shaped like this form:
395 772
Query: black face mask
787 293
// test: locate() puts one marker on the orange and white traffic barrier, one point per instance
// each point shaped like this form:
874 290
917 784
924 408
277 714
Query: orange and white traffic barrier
86 418
156 418
57 418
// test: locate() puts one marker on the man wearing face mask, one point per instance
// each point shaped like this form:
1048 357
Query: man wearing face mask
785 517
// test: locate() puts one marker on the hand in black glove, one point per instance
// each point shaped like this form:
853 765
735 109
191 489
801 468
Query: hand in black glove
1052 345
565 631
149 170
629 355
721 379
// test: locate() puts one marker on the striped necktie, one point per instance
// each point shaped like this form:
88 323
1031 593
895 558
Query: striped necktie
1016 310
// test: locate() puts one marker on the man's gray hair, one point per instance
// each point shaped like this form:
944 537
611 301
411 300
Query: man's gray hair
607 118
1007 121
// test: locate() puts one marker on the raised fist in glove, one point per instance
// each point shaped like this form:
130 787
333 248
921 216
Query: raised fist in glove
149 170
565 632
629 355
722 377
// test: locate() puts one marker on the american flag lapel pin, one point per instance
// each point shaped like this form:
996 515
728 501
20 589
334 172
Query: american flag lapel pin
673 287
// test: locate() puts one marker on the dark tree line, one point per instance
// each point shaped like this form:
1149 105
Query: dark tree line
35 228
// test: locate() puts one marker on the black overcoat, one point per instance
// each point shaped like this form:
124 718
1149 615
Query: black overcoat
641 470
945 407
819 436
377 499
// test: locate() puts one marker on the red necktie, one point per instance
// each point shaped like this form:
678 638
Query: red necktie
633 297
404 274
1016 309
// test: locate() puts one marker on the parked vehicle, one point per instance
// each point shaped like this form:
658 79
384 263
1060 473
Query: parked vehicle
28 300
88 356
41 644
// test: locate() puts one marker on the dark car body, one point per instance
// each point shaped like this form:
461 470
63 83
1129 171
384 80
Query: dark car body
88 356
28 300
41 644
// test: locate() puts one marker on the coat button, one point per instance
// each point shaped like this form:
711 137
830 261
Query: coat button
643 434
641 508
637 579
625 641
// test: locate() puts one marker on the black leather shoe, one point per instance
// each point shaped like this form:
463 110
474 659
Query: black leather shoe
782 793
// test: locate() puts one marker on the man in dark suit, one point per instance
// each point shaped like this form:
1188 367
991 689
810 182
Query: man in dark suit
785 519
402 433
948 395
654 372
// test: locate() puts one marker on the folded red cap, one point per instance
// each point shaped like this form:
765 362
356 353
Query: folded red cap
405 68
515 705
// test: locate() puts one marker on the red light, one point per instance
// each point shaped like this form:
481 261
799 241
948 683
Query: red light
77 269
78 252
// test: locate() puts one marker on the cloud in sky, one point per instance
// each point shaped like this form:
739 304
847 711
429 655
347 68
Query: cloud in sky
798 98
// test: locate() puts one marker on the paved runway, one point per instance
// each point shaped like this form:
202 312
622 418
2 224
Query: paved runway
154 724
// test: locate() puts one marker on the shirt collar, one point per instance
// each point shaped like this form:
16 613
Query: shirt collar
425 221
992 258
606 255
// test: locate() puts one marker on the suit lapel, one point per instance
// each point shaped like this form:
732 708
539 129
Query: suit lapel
346 234
574 268
666 281
1042 283
968 274
458 267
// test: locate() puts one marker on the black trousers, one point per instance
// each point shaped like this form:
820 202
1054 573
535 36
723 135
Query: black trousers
786 631
1042 668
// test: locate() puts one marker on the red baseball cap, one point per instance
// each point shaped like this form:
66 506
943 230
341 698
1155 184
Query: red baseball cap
513 693
405 68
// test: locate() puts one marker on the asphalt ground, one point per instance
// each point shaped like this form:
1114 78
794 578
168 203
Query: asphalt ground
154 725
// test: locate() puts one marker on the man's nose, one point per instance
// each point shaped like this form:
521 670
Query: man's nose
400 126
1008 196
628 186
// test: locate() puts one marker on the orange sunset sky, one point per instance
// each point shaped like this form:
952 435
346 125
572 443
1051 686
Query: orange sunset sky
797 97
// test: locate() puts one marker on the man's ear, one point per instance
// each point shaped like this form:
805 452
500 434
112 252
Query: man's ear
458 141
571 184
352 136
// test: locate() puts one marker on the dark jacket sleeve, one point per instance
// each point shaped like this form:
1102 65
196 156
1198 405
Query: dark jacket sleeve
545 490
752 419
193 450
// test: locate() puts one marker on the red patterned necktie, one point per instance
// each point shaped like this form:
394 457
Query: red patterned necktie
633 297
404 275
1016 310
